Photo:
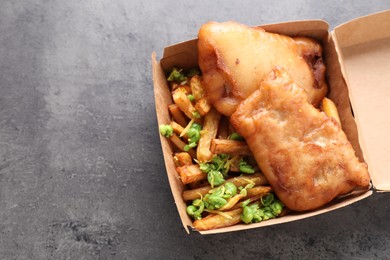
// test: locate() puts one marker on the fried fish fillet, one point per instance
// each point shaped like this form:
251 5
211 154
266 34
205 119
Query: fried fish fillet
234 59
304 154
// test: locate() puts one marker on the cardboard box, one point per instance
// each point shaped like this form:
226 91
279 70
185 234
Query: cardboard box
357 55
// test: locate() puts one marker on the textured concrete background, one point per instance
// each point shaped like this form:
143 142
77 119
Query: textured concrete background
81 169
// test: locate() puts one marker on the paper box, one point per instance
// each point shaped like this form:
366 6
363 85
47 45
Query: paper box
357 56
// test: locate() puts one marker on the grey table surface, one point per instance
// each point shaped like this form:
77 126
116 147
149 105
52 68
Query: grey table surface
81 168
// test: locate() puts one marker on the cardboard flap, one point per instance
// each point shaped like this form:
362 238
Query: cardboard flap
182 55
316 29
364 44
364 29
162 97
336 204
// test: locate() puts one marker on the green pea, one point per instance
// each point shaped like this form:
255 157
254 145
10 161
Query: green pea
218 160
191 209
268 215
196 114
257 218
249 185
243 192
197 203
219 163
192 132
166 130
197 215
191 97
259 215
267 199
245 203
230 189
215 178
195 210
216 202
193 135
219 191
245 167
177 76
225 169
196 126
254 206
276 208
247 215
205 167
205 201
187 147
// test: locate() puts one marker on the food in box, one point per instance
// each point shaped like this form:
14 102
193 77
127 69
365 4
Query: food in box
185 56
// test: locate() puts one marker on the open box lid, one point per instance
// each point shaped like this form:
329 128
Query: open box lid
364 44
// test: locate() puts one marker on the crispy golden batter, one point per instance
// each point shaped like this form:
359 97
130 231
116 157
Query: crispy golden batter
304 154
235 58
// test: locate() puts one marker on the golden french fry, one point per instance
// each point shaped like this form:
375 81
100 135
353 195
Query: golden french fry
185 129
176 162
256 179
177 115
195 193
181 100
183 158
231 202
330 109
214 221
203 106
232 147
180 144
258 190
190 173
251 199
196 87
178 129
255 192
186 89
208 133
